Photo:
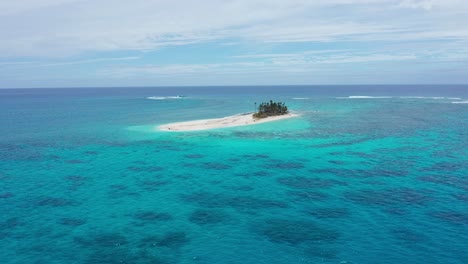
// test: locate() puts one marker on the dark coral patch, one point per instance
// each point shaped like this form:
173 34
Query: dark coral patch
173 240
306 183
123 255
336 162
396 211
320 252
241 188
76 181
149 242
194 156
110 257
345 173
153 185
294 232
76 178
74 161
461 197
118 187
56 202
10 224
284 165
457 182
105 240
6 195
72 221
389 197
211 200
261 173
215 166
145 168
451 217
330 212
409 235
148 216
255 156
308 195
203 217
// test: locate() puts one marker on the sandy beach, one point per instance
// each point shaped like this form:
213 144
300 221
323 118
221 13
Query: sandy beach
229 121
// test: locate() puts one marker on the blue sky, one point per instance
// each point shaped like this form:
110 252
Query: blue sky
74 43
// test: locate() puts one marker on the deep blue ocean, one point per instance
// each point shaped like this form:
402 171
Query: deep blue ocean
366 174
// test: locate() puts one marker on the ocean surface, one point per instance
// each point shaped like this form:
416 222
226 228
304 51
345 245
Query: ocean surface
366 174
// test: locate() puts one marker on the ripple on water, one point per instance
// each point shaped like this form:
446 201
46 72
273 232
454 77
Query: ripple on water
149 217
6 195
194 156
75 161
461 197
117 191
211 200
104 240
453 181
174 239
56 202
8 225
301 182
153 185
91 152
389 197
316 251
295 232
408 235
72 221
307 195
451 217
76 181
204 217
240 188
123 255
277 164
261 173
145 168
255 156
215 166
330 212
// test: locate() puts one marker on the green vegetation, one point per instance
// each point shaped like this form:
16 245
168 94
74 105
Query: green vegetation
271 109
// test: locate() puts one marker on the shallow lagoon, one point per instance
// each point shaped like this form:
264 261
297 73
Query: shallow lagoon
84 178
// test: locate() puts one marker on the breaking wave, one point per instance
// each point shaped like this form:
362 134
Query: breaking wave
165 97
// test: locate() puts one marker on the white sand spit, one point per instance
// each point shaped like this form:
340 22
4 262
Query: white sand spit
229 121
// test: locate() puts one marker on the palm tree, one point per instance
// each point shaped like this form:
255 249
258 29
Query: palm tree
271 109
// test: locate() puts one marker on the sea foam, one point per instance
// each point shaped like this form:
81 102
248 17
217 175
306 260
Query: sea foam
365 97
430 97
164 97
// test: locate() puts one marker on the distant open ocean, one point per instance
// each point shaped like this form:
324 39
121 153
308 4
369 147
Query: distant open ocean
366 174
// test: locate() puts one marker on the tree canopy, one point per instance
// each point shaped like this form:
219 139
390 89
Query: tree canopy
271 109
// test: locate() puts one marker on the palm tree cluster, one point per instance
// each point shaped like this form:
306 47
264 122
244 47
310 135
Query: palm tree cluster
271 109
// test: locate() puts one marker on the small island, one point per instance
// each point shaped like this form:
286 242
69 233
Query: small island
266 112
271 109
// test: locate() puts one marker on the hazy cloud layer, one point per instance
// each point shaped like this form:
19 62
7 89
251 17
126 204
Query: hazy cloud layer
246 34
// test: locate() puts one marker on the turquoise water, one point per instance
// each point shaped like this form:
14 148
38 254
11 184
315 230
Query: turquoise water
86 178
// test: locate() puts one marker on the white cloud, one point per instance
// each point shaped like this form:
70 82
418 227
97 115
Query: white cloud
54 28
300 62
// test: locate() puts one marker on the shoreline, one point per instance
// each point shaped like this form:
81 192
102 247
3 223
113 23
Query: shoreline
229 121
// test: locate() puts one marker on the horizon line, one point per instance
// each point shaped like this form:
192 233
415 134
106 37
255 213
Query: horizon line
246 85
